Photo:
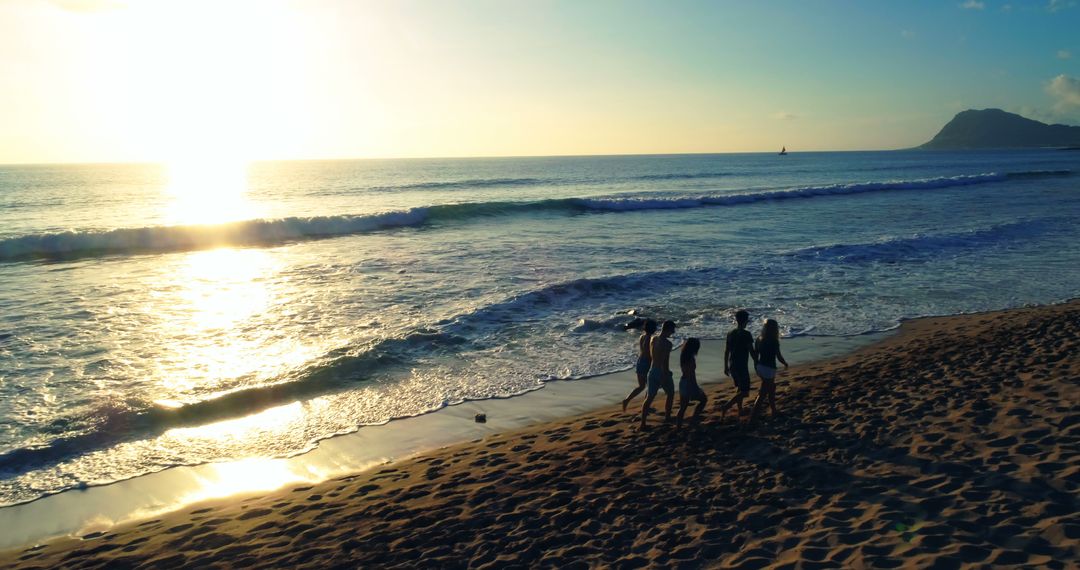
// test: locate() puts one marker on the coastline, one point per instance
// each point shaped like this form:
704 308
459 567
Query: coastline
954 438
99 508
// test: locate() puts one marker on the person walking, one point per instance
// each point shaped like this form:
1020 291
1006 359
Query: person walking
659 372
768 350
738 349
689 391
644 360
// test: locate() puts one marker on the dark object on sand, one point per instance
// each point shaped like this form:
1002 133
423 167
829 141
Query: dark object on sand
481 418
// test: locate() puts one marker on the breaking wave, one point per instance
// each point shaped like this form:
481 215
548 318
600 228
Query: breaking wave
116 421
924 246
74 244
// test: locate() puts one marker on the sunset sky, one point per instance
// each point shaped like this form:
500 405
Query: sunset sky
163 80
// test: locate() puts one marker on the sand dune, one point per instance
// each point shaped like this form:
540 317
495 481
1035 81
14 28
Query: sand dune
953 444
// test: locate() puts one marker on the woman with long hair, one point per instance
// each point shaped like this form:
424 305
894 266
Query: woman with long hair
644 360
767 346
689 391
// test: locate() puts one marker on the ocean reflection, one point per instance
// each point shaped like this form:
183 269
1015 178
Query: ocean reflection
251 474
217 318
263 424
221 287
244 476
207 192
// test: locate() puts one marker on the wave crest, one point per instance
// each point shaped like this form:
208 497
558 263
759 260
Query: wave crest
72 244
923 246
69 244
460 184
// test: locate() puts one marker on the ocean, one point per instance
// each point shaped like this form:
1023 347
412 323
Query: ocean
151 319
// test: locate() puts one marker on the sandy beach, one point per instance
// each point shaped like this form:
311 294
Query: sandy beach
358 284
952 444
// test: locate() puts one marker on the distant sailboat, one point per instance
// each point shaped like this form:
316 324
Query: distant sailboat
783 151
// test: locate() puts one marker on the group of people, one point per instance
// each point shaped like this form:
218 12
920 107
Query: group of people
654 370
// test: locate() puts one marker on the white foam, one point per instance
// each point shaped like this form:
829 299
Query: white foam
178 238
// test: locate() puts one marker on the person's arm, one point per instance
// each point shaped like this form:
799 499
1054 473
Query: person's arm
727 356
753 353
779 356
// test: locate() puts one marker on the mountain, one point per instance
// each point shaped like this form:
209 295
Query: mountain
994 128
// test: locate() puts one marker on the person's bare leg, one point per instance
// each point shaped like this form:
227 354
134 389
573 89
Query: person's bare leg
683 404
727 406
699 409
645 408
759 402
772 398
633 393
667 406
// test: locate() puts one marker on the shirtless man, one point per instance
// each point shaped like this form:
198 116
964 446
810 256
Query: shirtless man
740 346
659 372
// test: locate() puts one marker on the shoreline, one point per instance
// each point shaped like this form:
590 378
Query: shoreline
100 507
953 439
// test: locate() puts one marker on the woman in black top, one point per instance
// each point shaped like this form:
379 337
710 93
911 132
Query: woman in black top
767 346
644 360
689 391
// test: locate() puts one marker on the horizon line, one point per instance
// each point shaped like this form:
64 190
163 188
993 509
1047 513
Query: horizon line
448 157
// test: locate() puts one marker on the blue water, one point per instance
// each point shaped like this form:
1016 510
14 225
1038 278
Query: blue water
146 324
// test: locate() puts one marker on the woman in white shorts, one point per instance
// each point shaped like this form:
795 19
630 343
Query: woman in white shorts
767 346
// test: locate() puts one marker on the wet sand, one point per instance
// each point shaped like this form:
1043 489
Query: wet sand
954 443
100 508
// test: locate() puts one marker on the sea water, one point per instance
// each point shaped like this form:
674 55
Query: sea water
149 320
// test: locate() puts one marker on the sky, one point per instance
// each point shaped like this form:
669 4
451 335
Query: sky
171 80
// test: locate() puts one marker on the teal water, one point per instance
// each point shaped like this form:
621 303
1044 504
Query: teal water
146 325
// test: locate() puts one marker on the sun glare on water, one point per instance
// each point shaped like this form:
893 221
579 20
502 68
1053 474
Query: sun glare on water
208 190
212 307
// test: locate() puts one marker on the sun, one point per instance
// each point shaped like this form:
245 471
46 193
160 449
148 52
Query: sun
211 96
208 190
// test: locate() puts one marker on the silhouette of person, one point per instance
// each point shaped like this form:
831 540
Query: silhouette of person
689 390
768 349
644 360
739 347
659 372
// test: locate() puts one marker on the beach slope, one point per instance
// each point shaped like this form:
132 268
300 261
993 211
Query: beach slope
953 443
